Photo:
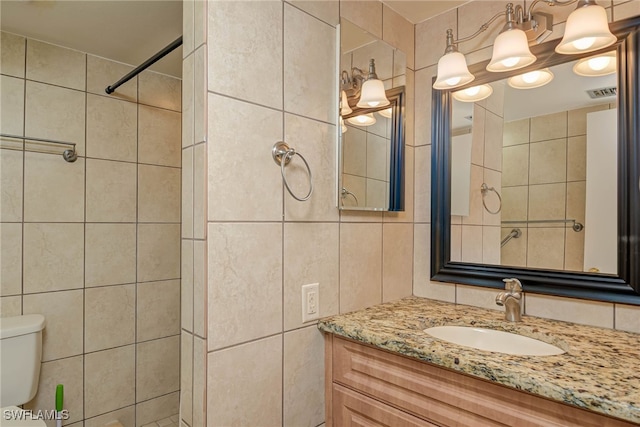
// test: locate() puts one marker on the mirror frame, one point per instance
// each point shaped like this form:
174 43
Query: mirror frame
621 288
396 97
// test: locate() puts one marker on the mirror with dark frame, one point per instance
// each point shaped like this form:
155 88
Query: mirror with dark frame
514 235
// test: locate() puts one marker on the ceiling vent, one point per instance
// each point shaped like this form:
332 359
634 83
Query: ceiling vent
603 92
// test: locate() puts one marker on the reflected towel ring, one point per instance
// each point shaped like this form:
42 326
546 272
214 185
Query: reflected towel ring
346 193
484 188
282 155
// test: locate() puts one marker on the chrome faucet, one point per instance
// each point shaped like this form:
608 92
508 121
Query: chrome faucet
511 299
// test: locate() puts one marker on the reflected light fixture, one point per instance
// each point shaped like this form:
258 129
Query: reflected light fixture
473 93
343 126
362 120
532 79
587 29
365 86
388 112
599 65
344 104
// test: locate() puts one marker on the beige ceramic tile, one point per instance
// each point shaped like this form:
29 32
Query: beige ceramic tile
110 317
355 185
495 103
382 53
476 208
53 257
157 368
422 189
112 129
200 95
515 165
491 245
516 132
238 379
10 259
493 141
325 10
577 158
315 141
186 377
360 266
514 253
186 285
187 193
577 119
256 129
354 151
548 162
627 318
545 248
200 185
310 263
11 185
12 62
199 381
584 312
547 201
57 113
472 243
63 313
159 136
422 120
187 30
65 371
245 282
399 33
303 377
200 22
54 189
110 254
158 310
397 261
626 10
477 134
431 38
10 306
102 72
421 256
158 194
159 90
126 416
574 251
514 204
56 65
437 290
377 157
109 380
475 13
366 15
477 296
12 105
111 191
376 193
200 288
551 126
576 200
157 409
187 96
158 252
241 35
456 243
494 204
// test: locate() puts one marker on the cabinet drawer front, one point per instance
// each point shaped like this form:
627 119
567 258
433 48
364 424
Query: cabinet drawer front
450 398
353 409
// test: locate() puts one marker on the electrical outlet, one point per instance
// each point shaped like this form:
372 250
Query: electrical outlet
310 302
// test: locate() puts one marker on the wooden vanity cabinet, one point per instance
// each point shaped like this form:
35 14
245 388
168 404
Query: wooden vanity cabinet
366 386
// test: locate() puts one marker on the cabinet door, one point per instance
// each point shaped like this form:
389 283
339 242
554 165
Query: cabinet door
353 409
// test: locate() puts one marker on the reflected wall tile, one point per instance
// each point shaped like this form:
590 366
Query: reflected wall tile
12 61
548 161
397 261
111 191
626 10
186 377
11 185
12 105
199 381
477 135
476 209
309 44
383 56
472 243
477 296
158 409
577 158
187 30
159 136
515 165
491 200
245 282
157 368
112 129
110 317
514 253
399 33
627 317
516 132
431 38
584 312
158 252
53 112
53 257
11 256
109 380
157 310
493 141
102 72
158 194
325 10
515 203
200 288
545 248
200 94
360 266
547 201
377 157
422 185
551 126
62 336
316 263
10 306
303 398
200 22
239 379
576 201
56 65
186 285
574 251
53 189
110 254
365 14
160 90
200 186
187 193
491 245
354 151
456 243
244 34
188 97
577 119
495 103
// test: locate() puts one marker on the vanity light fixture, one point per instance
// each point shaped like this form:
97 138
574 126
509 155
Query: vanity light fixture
599 65
365 86
532 79
343 126
344 104
511 47
473 93
388 112
362 120
587 29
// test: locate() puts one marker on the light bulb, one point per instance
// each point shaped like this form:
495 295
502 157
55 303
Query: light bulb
510 62
584 43
531 76
453 81
472 91
373 103
599 63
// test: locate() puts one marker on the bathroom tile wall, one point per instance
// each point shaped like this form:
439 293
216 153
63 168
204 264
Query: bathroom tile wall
93 245
430 40
261 72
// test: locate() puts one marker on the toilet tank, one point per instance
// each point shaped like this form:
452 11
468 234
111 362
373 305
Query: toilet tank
20 356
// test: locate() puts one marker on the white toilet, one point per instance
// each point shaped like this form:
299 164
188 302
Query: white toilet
20 356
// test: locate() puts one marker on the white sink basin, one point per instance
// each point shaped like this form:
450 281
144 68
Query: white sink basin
491 340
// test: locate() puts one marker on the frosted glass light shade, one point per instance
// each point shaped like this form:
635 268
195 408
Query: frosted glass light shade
531 79
599 65
473 94
452 71
362 120
372 94
344 105
386 113
510 51
586 30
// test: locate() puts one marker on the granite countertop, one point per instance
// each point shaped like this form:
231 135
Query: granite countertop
600 370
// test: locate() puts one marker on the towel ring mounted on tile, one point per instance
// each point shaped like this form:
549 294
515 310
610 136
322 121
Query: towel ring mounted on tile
484 188
282 155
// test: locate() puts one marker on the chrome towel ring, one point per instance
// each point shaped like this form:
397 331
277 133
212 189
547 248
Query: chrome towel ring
484 188
282 155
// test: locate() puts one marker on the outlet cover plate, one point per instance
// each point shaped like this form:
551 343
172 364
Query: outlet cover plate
310 302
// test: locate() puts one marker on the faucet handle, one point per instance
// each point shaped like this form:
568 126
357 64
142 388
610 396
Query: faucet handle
512 285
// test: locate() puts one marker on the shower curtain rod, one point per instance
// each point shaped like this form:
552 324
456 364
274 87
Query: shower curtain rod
146 64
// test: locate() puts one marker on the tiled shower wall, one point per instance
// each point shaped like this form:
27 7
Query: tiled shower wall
94 245
430 44
271 75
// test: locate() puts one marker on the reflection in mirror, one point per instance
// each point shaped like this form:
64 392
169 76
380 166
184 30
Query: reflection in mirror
371 141
543 147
